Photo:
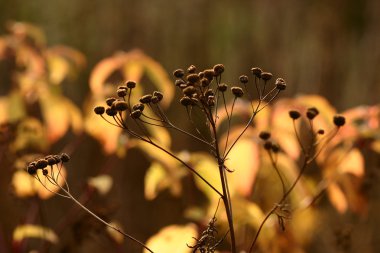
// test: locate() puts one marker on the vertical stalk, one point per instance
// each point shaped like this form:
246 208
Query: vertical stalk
226 194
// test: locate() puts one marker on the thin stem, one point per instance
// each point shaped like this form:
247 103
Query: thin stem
106 223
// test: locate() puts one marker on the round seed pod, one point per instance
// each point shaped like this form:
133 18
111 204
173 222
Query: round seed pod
57 158
222 87
121 92
178 73
146 99
154 100
243 79
136 114
131 84
266 76
268 145
189 90
109 101
339 120
201 74
65 157
275 148
191 69
205 82
31 169
159 95
294 114
208 93
99 110
311 113
51 161
209 74
122 87
264 135
45 172
111 112
280 84
178 82
186 101
237 91
321 131
256 72
218 69
138 106
192 78
41 163
121 106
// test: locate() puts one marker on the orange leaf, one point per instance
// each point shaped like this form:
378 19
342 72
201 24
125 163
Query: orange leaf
337 198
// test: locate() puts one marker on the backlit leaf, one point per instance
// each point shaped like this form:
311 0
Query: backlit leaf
34 231
337 198
102 183
173 238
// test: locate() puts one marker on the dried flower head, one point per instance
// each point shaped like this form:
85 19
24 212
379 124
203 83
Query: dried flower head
111 112
266 76
193 78
138 106
311 113
218 69
209 74
159 95
131 84
109 101
146 99
120 106
121 92
191 69
178 73
256 72
237 91
294 114
243 79
65 157
41 163
178 82
280 84
136 114
186 101
222 87
99 110
264 135
339 120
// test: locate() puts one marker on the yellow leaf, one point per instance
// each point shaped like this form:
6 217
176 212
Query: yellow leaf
102 183
173 239
34 231
155 181
244 161
337 198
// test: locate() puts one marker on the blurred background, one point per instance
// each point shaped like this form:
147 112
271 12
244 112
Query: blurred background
327 48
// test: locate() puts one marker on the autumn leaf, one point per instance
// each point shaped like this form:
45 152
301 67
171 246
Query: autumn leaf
34 231
173 238
102 183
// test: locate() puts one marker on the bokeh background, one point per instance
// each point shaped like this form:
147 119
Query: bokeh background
329 48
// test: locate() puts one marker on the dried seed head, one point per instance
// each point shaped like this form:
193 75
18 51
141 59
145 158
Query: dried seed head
189 90
311 113
218 69
243 79
191 69
45 172
210 101
131 84
264 135
121 92
339 120
205 82
41 163
294 114
136 114
178 73
99 110
138 106
209 74
208 93
237 91
109 101
256 72
321 131
268 145
186 101
159 95
178 82
120 105
222 87
51 160
57 158
266 76
31 169
201 74
122 87
146 99
193 78
280 84
65 157
275 148
155 100
111 112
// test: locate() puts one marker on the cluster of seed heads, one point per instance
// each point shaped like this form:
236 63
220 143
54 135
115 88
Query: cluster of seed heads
201 88
312 112
122 103
43 163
